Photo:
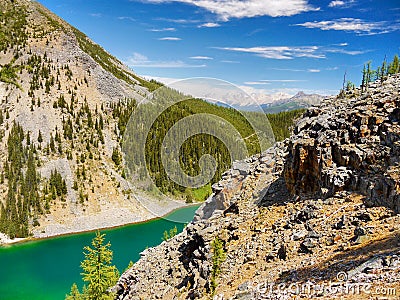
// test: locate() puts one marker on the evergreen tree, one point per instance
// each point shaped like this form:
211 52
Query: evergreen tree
40 137
363 80
168 235
394 65
52 144
74 294
218 258
383 70
116 156
98 271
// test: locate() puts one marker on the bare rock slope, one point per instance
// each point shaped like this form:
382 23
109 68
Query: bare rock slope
316 215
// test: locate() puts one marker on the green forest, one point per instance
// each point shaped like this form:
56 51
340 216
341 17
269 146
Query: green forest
224 133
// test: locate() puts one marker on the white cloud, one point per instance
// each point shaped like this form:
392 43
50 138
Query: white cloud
162 29
227 9
169 38
282 80
348 52
201 57
140 60
230 61
314 70
288 70
354 25
209 25
279 52
96 15
126 18
336 3
178 21
137 57
270 81
256 83
341 4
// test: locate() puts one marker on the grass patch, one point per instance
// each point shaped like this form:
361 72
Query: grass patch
201 194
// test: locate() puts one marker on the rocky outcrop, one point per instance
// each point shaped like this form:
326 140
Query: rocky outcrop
229 188
349 144
316 210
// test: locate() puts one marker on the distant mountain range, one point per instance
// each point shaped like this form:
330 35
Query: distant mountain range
277 102
242 98
300 100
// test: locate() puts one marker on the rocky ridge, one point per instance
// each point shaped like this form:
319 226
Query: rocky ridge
312 216
349 144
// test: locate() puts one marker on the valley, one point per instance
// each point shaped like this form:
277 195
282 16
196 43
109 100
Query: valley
65 107
229 195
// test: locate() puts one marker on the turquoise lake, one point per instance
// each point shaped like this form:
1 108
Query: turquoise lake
45 269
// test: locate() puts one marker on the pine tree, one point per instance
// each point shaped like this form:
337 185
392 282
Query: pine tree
40 137
218 258
383 70
52 145
74 294
363 81
394 65
116 156
98 270
369 73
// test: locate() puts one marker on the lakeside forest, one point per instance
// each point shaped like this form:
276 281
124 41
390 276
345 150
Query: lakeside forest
39 81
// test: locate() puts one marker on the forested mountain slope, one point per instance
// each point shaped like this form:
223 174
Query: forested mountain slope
65 104
62 98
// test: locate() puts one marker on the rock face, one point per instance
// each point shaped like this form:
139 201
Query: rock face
321 204
349 144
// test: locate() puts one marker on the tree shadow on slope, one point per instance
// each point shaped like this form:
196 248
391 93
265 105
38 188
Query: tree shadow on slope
191 257
277 194
345 261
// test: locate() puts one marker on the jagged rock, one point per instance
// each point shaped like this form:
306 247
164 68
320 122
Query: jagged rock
307 245
359 231
351 145
298 235
343 223
313 235
360 239
242 167
371 264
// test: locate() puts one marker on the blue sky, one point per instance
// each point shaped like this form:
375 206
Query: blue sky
266 46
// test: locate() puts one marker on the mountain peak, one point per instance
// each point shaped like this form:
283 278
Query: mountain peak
299 94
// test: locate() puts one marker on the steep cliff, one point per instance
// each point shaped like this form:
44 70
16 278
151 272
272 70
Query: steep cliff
316 215
349 144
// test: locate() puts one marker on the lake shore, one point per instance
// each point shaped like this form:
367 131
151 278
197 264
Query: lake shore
90 225
5 240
